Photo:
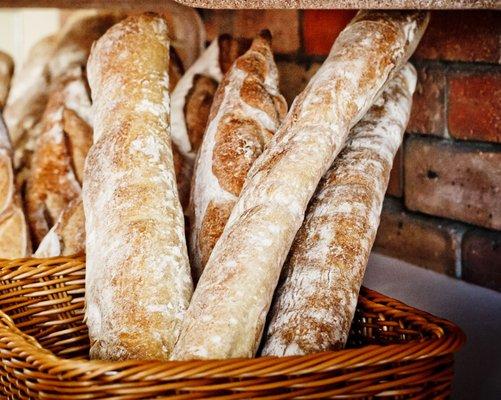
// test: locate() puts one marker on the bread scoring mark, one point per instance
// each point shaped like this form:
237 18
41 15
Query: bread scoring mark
239 142
54 182
197 108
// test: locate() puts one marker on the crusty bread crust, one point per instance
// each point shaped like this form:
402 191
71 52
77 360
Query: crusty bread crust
229 307
247 111
316 299
138 282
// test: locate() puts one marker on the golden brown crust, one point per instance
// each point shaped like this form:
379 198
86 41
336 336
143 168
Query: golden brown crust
239 142
212 227
67 236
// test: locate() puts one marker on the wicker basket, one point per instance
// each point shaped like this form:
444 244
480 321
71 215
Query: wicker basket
395 351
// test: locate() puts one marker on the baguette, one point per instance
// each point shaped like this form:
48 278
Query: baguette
191 101
57 166
138 282
192 98
14 236
228 309
316 299
247 111
6 71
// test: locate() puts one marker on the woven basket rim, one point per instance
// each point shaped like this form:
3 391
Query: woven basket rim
449 340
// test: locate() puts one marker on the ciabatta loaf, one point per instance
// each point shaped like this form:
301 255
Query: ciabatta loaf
247 111
6 71
316 299
229 307
138 281
57 165
14 236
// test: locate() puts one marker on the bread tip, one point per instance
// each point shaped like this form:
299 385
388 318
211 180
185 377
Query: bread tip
266 35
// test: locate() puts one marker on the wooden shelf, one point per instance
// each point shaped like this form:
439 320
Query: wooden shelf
285 4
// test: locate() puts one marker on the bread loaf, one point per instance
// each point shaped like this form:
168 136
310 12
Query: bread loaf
14 237
247 111
138 282
67 236
192 97
27 98
228 309
316 299
57 165
47 62
6 70
191 101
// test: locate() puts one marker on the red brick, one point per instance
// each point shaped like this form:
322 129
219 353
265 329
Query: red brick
283 24
322 27
429 242
217 22
457 180
428 104
481 254
396 183
474 109
462 36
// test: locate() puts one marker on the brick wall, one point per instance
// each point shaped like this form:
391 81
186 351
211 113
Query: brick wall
443 206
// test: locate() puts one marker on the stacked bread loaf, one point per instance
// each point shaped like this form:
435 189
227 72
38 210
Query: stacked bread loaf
229 306
56 172
316 300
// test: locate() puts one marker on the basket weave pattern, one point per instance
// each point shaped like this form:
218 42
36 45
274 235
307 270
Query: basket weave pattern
395 351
